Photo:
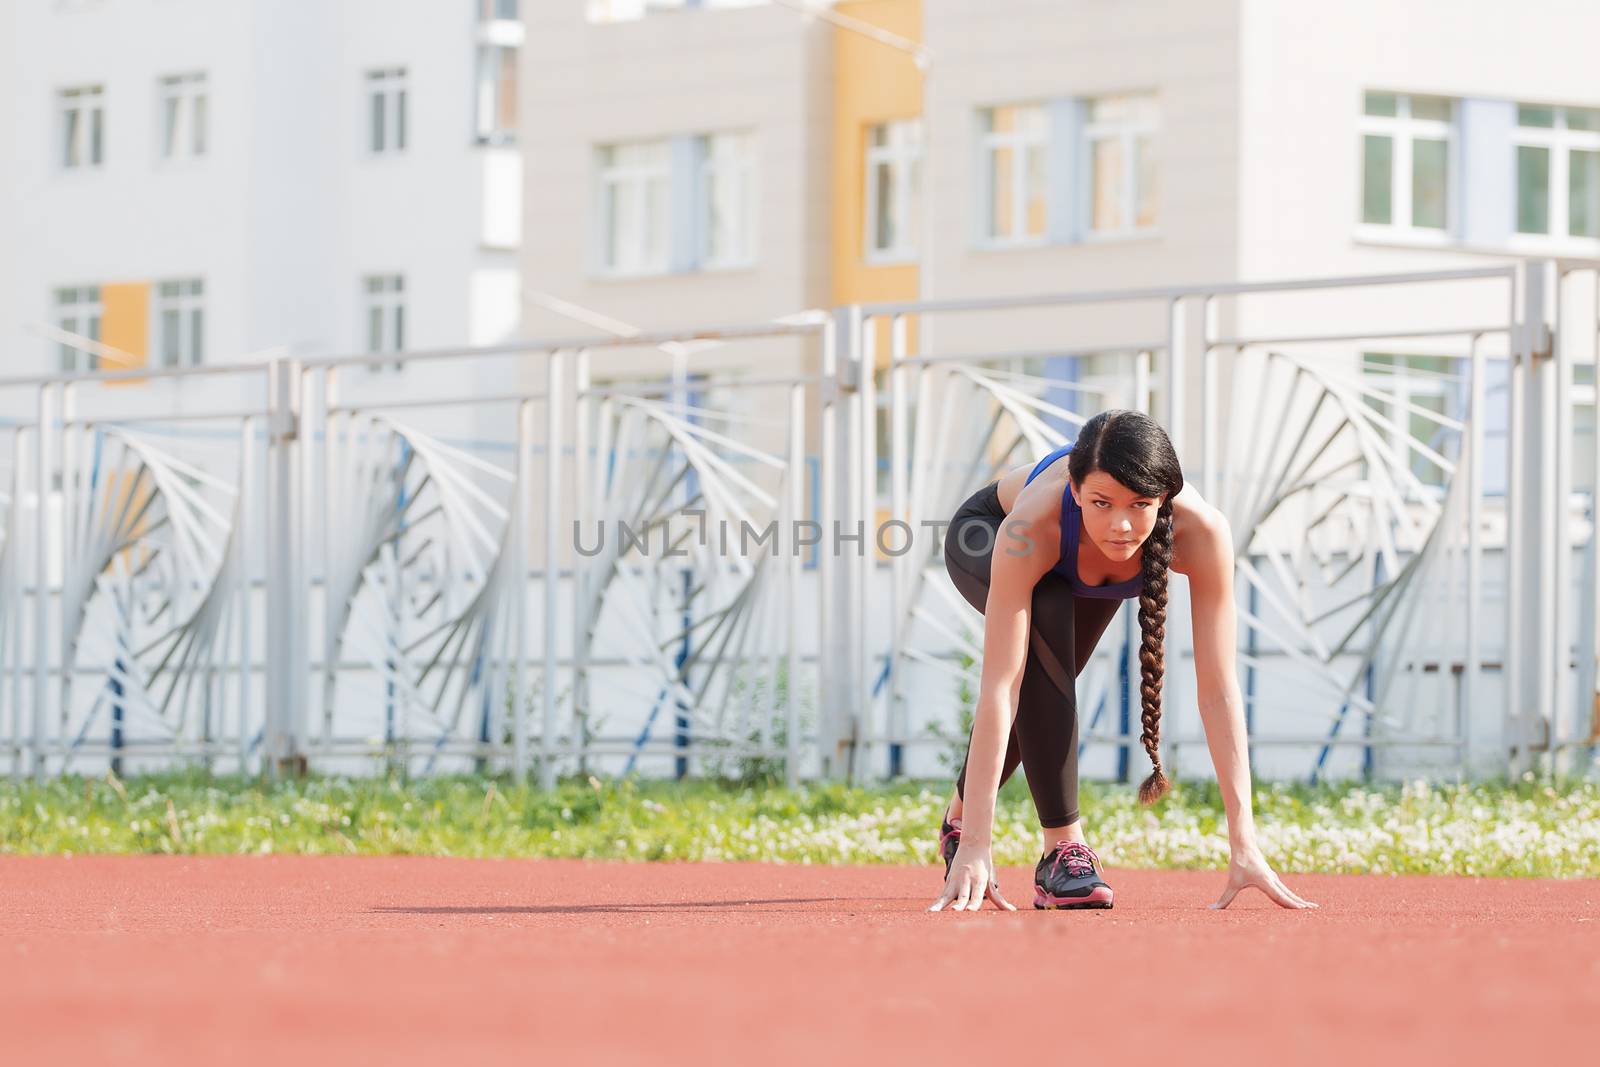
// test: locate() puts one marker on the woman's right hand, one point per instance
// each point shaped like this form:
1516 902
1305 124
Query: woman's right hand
972 877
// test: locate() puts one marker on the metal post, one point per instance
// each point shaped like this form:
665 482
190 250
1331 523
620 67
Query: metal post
41 582
583 501
1208 402
1530 490
1557 395
552 561
791 571
832 581
893 706
866 562
1475 439
246 519
67 538
280 744
1543 519
15 623
681 737
331 503
1589 651
1516 493
311 525
521 517
1177 370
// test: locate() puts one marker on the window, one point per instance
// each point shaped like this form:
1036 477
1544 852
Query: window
725 201
1558 171
1405 162
894 161
183 116
496 119
499 38
678 204
634 207
78 311
385 308
1119 147
180 322
82 125
1013 141
1428 383
386 106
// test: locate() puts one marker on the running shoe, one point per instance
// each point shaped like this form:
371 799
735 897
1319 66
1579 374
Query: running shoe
949 841
1069 877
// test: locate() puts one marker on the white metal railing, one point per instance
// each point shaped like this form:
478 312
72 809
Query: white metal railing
311 561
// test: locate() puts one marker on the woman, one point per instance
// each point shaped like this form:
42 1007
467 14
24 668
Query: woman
1047 555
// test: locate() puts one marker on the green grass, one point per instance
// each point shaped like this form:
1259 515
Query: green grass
1525 828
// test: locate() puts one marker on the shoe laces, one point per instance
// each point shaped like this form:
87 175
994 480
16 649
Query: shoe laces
954 831
1079 859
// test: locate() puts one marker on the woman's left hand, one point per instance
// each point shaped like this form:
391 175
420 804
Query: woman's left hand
1248 867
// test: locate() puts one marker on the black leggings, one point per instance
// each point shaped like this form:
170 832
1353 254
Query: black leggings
1044 734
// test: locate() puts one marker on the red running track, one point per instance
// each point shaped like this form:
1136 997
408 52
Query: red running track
279 959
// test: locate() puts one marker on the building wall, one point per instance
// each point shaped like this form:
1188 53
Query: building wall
287 210
134 219
1303 76
873 82
1008 51
764 69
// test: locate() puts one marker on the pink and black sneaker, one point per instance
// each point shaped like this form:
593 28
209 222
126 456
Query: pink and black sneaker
949 841
1069 877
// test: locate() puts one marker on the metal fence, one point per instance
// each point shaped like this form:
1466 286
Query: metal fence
715 551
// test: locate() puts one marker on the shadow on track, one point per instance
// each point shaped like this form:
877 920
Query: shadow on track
558 909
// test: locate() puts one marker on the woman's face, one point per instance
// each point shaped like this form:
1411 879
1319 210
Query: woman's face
1115 518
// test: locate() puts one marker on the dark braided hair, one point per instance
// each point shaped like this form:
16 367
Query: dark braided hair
1134 450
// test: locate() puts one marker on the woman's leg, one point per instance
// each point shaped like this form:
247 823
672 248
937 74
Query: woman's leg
1044 735
968 553
1047 711
1065 630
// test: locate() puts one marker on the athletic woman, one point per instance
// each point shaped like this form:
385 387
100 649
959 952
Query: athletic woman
1047 555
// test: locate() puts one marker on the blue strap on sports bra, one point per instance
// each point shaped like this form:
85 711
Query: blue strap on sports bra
1071 525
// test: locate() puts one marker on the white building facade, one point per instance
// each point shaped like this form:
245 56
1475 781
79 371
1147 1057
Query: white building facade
197 183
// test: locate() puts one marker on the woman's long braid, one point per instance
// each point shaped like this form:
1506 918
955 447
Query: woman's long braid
1152 654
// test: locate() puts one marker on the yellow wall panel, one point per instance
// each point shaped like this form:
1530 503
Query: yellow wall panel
125 322
873 83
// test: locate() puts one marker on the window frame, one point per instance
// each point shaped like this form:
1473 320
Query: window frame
636 177
183 298
69 316
502 37
1560 140
903 156
989 141
190 92
384 294
1403 130
387 88
1127 132
90 133
707 169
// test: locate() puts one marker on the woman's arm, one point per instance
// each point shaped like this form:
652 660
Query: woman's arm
1007 620
1209 564
1014 569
